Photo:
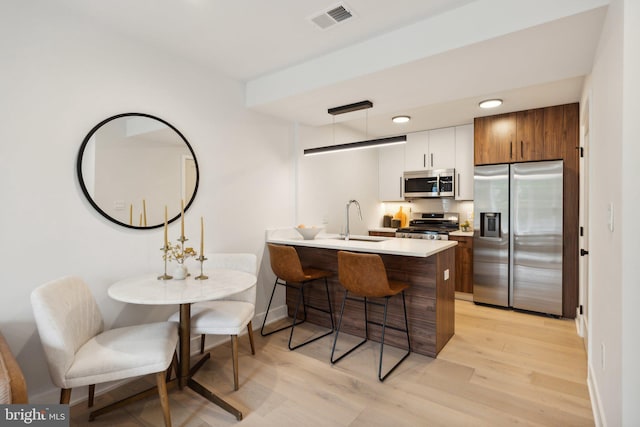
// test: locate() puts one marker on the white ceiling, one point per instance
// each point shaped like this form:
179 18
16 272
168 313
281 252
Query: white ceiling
431 59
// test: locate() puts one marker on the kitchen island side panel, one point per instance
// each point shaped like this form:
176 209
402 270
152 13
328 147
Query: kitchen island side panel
430 299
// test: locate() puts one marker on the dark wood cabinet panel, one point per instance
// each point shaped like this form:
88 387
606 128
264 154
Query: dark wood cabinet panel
571 207
382 233
529 144
464 263
494 138
554 133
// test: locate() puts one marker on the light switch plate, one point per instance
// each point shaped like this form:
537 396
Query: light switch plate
446 274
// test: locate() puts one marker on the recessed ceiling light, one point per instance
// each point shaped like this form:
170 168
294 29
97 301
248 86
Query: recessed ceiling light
490 103
401 119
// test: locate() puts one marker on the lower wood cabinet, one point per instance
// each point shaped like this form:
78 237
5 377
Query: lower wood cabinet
382 233
464 263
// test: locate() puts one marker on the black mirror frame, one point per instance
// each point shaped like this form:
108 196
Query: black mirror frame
84 187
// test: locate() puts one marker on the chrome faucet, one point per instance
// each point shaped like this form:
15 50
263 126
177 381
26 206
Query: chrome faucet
346 229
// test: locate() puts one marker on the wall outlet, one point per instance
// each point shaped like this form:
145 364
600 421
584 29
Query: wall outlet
602 355
446 274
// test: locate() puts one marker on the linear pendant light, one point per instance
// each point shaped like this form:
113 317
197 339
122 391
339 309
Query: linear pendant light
378 142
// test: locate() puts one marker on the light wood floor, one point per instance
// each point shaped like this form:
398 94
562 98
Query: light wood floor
501 368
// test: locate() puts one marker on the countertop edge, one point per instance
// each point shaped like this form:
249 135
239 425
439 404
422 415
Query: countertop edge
390 246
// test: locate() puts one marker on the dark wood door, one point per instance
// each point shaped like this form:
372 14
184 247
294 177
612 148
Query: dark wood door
554 133
494 138
529 135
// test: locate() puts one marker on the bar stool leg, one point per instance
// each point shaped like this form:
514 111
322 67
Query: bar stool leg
264 321
384 326
335 340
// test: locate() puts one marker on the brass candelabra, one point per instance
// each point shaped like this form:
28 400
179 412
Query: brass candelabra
202 276
165 276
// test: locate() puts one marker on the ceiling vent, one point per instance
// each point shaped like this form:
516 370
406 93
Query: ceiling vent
334 15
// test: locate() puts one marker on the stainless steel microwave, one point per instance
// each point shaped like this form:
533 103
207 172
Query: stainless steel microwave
429 183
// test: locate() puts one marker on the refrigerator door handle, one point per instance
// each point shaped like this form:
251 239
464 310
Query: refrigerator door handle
512 232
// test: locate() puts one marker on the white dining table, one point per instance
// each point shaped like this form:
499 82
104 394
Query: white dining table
149 290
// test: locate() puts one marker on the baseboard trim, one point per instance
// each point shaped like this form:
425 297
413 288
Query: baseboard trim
596 403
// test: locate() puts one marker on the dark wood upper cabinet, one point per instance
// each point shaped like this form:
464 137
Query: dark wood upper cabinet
554 132
529 144
525 136
494 137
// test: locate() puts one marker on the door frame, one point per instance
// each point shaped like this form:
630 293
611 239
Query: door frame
582 317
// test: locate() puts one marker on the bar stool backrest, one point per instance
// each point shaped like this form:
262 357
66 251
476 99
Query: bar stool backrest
285 263
363 274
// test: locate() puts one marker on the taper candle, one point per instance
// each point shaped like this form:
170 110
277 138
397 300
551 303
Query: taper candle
166 241
144 211
182 218
131 214
140 219
201 236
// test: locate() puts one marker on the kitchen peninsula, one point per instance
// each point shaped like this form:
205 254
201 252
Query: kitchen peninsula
427 265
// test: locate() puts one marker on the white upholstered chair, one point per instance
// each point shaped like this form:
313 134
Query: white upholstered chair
229 316
79 352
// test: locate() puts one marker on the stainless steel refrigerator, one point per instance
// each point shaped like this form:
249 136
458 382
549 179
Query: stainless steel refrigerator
517 239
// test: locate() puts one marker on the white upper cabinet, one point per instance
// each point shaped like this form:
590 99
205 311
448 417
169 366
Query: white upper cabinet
442 149
433 149
415 151
464 162
390 169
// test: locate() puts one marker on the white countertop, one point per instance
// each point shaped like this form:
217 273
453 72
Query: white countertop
384 229
380 245
461 233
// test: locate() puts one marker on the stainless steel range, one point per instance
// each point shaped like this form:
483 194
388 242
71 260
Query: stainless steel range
430 225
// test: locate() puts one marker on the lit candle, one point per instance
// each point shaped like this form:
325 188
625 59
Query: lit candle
131 214
144 211
166 241
201 236
182 219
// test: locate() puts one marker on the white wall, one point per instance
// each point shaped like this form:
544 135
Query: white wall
60 77
630 215
614 270
328 181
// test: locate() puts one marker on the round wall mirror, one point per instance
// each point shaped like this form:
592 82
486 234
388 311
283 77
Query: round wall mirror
134 167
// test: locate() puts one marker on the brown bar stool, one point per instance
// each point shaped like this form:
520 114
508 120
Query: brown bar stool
365 276
286 265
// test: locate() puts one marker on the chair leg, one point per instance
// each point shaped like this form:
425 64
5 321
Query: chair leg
92 392
384 326
335 340
250 333
65 396
164 398
326 287
264 321
301 301
173 366
234 357
202 337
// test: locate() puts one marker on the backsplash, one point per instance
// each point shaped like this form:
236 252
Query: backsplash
464 208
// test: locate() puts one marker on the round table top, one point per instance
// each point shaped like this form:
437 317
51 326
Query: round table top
147 289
